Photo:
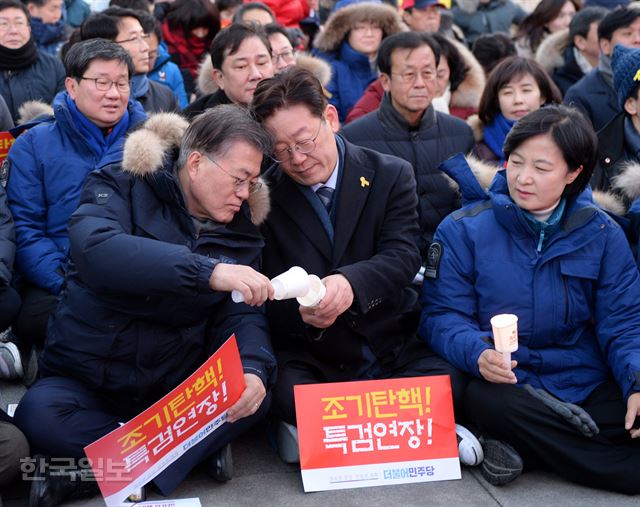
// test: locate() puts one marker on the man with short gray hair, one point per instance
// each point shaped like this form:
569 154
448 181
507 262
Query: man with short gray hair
48 164
157 245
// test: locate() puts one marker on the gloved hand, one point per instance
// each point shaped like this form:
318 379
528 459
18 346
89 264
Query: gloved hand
573 414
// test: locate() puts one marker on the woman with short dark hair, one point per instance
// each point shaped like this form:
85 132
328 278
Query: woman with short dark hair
534 245
515 87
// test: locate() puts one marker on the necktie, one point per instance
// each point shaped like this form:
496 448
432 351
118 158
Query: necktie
325 194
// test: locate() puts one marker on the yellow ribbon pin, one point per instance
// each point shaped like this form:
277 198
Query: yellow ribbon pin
365 183
637 76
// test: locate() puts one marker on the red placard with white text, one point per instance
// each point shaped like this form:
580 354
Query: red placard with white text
132 455
6 141
376 432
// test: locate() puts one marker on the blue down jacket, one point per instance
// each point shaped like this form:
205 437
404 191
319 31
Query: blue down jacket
137 315
48 166
577 301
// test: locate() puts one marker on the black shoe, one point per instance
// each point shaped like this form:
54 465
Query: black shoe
51 489
502 463
220 465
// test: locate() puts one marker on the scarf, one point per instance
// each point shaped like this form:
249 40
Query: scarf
139 85
93 134
188 50
19 59
544 230
496 132
631 139
47 33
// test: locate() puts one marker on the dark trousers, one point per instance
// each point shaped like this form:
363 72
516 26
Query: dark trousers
610 460
298 372
13 447
60 417
9 306
31 323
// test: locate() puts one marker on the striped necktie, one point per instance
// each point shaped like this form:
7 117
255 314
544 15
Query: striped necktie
325 194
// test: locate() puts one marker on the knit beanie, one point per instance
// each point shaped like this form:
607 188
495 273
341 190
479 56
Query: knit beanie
625 63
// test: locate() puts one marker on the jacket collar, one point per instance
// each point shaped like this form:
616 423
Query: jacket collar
391 118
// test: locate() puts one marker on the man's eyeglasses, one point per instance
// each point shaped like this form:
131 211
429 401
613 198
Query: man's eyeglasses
239 183
140 38
104 85
304 147
286 56
410 76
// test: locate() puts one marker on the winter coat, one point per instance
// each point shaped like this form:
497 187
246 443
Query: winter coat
7 241
352 70
373 245
482 150
438 137
48 166
158 99
77 12
577 300
464 102
476 18
555 54
42 81
611 153
137 315
6 122
288 13
166 72
595 98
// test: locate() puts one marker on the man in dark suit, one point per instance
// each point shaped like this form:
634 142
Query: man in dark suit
348 215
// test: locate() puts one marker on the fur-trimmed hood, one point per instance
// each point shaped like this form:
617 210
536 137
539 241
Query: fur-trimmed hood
627 182
550 53
146 148
477 127
321 69
470 90
342 21
32 110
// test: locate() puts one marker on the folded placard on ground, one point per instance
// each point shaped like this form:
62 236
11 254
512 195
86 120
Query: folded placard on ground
132 455
376 432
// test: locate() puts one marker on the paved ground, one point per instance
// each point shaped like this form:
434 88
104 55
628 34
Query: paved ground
261 479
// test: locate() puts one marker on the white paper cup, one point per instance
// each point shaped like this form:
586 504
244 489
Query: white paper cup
292 283
314 295
505 334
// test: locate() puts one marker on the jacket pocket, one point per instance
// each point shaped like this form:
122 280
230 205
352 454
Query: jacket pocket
578 278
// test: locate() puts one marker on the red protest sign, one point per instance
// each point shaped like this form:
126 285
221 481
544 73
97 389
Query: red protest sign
371 433
132 455
6 141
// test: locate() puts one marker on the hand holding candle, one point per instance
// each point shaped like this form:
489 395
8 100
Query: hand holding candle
505 335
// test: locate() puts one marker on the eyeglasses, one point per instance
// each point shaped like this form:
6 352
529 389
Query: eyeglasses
239 183
5 24
410 77
141 38
104 85
286 56
304 147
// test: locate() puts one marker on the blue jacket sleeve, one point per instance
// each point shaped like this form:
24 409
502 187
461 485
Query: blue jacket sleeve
38 258
449 322
617 312
109 258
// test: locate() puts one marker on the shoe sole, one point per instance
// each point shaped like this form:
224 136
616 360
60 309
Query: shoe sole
287 441
17 360
472 446
502 463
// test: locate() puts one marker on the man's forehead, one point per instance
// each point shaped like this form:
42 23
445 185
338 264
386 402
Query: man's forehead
107 67
421 55
242 52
